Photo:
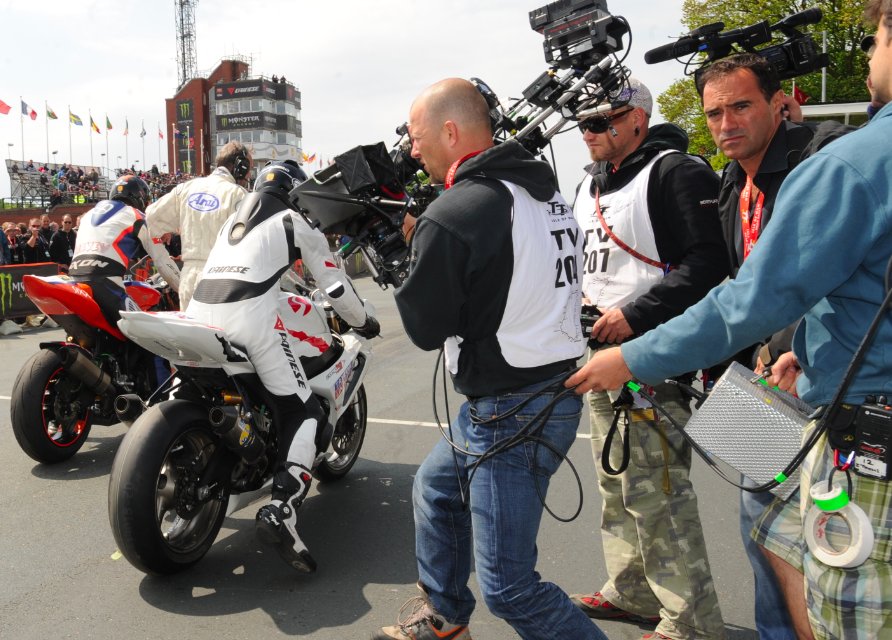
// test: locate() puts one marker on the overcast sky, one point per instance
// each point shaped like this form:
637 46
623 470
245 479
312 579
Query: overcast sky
358 64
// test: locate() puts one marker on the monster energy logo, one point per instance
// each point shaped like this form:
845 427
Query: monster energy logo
5 292
185 109
225 122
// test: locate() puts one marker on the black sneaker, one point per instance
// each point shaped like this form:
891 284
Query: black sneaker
276 524
422 623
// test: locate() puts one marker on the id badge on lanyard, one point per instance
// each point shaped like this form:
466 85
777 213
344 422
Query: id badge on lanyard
750 227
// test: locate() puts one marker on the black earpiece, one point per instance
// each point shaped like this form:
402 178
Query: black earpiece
240 166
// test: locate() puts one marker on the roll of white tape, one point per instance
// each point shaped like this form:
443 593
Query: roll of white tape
836 503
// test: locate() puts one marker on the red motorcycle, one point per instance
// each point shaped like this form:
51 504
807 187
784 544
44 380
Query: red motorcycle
68 386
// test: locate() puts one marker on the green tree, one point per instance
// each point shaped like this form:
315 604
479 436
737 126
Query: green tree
846 74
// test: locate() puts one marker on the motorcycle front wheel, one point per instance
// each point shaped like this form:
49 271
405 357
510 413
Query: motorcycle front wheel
347 440
162 519
49 409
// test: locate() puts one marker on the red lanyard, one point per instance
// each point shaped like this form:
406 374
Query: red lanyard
450 175
750 229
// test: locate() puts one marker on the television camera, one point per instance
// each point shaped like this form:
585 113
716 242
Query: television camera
365 194
796 56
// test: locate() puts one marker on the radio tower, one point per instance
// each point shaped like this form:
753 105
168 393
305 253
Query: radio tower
185 19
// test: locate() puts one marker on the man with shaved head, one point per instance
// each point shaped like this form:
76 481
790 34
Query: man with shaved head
495 279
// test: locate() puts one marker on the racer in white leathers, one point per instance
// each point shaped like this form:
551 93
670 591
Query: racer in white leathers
112 236
239 291
198 208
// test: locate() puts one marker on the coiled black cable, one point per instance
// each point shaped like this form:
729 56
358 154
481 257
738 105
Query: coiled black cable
531 432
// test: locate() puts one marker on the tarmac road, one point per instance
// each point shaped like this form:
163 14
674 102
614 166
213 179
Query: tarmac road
61 577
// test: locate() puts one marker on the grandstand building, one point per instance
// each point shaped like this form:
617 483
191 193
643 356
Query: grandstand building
229 104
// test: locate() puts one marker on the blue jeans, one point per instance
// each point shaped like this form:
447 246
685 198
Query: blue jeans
500 522
772 619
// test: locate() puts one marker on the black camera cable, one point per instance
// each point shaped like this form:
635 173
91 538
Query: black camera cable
531 432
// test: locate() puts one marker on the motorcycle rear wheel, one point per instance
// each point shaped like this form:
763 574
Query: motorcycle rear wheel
347 440
158 523
48 409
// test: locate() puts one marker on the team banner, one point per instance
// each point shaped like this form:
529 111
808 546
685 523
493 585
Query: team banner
256 89
226 90
13 301
247 121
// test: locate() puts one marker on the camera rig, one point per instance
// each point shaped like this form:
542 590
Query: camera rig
365 194
796 56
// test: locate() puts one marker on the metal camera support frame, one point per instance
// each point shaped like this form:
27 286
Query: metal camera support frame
368 191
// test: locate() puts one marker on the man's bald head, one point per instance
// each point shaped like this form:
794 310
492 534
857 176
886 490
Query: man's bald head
457 100
447 121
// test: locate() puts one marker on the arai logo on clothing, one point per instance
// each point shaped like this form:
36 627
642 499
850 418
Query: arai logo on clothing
203 202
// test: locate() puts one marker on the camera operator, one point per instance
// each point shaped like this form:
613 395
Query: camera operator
816 260
198 208
744 106
483 280
653 248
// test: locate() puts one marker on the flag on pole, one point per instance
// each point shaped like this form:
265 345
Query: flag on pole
160 135
142 134
28 111
75 120
4 108
93 125
126 127
800 96
178 134
51 114
108 124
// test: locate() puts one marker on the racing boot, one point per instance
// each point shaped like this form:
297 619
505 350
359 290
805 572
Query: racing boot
276 523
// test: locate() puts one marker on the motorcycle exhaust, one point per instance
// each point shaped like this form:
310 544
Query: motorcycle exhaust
79 365
236 433
128 408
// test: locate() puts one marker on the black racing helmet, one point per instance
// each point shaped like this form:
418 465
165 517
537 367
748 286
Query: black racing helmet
279 178
131 190
270 196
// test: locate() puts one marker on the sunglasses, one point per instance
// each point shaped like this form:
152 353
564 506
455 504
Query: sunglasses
600 124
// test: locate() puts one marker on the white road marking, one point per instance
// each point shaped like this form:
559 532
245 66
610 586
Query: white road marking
401 423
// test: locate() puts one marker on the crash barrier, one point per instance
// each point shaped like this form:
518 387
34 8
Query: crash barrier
13 301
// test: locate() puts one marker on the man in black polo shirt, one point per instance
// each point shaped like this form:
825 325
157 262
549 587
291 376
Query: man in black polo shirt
745 109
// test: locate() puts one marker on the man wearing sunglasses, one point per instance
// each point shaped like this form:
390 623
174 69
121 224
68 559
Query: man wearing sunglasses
653 247
63 242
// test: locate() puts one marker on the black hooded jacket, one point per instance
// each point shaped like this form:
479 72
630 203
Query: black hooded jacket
459 286
681 202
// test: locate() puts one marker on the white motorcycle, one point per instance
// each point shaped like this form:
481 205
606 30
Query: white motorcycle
188 462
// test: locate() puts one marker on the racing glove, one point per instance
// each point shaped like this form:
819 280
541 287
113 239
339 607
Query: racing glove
370 329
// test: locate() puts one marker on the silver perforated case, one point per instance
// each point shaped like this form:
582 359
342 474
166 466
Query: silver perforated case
752 428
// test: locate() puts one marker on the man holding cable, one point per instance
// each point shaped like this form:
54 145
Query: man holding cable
818 261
